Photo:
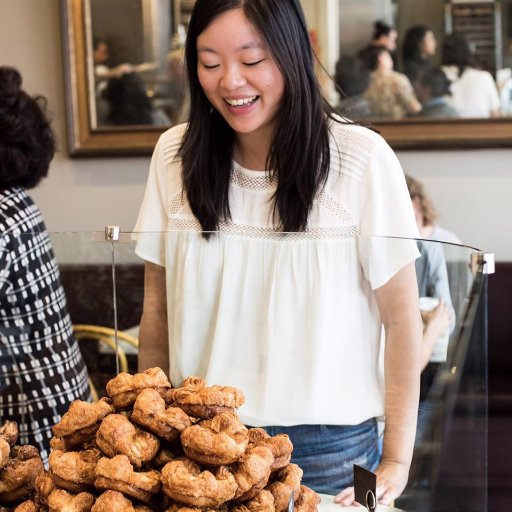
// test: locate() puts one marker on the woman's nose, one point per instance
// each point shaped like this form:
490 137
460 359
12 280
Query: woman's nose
232 79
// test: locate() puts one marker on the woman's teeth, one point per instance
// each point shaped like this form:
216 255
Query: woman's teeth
240 102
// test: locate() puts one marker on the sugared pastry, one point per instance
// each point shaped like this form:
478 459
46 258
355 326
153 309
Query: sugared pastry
262 502
287 480
44 486
124 388
64 501
117 474
5 450
8 438
27 506
200 401
9 432
252 472
80 423
280 446
19 474
74 471
179 507
117 435
185 482
219 441
113 501
307 500
150 412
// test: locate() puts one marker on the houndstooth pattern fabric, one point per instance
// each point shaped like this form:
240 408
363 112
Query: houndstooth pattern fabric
41 368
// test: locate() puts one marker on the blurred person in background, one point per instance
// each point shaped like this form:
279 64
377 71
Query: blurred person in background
433 90
474 92
390 93
383 35
41 367
353 77
418 49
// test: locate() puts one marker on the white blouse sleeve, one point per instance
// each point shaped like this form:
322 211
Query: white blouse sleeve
152 220
386 213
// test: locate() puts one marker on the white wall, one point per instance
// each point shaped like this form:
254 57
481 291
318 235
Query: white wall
472 189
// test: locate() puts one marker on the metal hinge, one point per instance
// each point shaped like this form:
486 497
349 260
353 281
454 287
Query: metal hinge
111 234
482 262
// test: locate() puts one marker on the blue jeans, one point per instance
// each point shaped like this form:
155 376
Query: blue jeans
327 453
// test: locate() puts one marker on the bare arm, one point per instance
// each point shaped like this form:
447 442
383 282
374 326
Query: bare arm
436 322
399 308
153 334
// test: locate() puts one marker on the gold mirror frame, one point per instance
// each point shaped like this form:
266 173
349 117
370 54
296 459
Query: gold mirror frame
83 140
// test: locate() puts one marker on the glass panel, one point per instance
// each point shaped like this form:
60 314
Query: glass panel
277 289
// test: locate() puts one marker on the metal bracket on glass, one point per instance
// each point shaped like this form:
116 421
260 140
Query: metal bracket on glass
482 262
111 234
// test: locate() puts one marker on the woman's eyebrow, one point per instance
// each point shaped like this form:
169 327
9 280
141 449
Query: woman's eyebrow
246 46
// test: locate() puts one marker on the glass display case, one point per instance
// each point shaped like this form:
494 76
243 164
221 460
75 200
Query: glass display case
103 277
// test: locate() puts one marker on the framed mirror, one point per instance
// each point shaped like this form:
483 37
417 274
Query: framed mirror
106 40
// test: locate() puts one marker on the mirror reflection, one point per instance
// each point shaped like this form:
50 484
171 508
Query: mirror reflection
393 59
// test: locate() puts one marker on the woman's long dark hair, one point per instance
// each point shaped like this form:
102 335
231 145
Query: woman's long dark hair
299 150
456 52
411 49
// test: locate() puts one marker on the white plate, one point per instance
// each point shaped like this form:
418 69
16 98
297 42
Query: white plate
327 505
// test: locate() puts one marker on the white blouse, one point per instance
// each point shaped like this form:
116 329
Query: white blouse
290 319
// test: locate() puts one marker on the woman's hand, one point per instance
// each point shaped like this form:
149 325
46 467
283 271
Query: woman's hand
391 481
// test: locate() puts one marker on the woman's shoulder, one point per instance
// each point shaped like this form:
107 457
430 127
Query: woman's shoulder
354 137
169 143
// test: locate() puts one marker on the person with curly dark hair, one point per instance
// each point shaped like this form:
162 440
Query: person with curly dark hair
41 367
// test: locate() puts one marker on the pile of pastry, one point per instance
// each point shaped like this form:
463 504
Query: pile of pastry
19 466
151 447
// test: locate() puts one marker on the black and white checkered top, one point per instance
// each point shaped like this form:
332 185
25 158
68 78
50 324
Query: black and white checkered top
41 368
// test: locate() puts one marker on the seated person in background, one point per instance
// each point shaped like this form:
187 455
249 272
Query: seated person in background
41 368
426 214
432 88
390 94
100 55
474 92
383 35
129 103
418 49
352 76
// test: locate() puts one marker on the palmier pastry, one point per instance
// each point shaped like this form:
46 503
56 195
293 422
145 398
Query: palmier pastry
252 472
117 435
27 506
44 486
184 481
117 474
219 441
5 450
9 432
307 501
19 474
262 502
150 412
280 446
64 501
180 507
200 401
74 471
124 388
287 480
8 438
80 423
113 501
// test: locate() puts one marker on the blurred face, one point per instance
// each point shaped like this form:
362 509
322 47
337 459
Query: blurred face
389 41
429 44
239 75
101 53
